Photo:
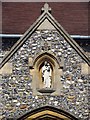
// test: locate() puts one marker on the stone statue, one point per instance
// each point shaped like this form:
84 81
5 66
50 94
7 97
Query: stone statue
46 74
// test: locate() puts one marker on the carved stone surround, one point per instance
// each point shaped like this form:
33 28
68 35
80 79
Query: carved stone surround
36 75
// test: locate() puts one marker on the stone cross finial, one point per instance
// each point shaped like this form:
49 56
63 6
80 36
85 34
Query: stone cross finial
46 8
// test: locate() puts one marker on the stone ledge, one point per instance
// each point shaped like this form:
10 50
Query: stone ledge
46 90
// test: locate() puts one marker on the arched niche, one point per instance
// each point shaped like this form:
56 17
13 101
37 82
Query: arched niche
52 78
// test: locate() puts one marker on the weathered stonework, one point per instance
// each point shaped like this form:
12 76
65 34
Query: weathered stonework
17 92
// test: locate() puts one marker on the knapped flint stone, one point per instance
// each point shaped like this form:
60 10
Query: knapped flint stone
23 106
80 80
55 103
9 108
59 54
66 87
69 49
74 66
69 77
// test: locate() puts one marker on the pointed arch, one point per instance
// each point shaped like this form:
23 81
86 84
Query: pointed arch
46 55
47 112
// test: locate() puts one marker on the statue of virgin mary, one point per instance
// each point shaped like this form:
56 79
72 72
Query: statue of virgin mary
46 74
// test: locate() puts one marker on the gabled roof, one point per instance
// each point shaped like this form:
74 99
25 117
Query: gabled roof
58 27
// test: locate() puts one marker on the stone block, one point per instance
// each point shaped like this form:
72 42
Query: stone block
6 69
30 61
85 69
46 25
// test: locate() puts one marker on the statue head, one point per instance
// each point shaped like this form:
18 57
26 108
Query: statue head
45 63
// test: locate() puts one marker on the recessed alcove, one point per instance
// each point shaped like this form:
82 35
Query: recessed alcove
49 81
